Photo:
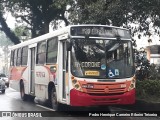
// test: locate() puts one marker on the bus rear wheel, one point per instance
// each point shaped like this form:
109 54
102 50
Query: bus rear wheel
54 102
3 91
22 93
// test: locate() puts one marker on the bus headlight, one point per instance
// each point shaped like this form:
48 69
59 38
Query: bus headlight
77 86
132 85
75 83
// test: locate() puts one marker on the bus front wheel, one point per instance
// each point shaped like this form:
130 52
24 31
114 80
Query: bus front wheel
54 102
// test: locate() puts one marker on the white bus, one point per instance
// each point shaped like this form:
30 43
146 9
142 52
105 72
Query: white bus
79 65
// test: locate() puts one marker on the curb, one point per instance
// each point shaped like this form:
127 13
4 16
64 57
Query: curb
141 106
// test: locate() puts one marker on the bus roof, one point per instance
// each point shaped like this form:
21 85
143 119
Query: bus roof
56 33
41 38
99 25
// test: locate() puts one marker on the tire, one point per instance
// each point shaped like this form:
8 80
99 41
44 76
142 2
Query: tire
3 91
105 108
54 102
22 92
7 85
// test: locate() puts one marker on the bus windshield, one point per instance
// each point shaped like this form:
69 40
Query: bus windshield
95 58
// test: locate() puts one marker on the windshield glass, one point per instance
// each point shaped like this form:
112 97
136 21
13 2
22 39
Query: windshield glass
94 58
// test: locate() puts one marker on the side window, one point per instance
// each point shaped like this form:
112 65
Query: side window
41 53
52 49
12 58
15 57
24 55
158 50
18 57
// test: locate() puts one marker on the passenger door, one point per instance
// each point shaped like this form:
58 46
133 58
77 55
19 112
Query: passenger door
32 50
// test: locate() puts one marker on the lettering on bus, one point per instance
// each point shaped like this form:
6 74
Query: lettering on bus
87 64
40 74
97 31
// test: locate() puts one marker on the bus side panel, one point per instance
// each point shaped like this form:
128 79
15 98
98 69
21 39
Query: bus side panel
42 78
16 74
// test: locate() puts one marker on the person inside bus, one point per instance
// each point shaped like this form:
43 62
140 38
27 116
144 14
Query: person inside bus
119 59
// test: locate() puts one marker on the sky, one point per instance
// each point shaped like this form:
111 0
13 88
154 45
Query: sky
10 20
143 41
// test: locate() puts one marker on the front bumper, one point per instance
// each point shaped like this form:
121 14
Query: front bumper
78 98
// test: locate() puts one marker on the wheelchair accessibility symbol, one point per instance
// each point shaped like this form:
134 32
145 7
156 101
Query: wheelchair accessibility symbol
110 74
113 72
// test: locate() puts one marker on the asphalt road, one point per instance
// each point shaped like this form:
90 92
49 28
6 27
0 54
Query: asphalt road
12 105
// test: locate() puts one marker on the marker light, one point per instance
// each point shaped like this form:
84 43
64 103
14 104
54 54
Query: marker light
123 85
88 86
84 86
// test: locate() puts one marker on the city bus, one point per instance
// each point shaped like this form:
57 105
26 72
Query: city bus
78 65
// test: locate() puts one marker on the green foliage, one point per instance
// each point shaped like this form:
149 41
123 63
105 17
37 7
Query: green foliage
91 12
145 70
37 14
148 90
154 73
22 31
142 65
117 13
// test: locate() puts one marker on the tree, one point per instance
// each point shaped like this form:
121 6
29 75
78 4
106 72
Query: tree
117 13
4 27
8 32
4 40
37 14
100 12
22 33
142 65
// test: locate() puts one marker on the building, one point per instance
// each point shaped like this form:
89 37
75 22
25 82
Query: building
153 54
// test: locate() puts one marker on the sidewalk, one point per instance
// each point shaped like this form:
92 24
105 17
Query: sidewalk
142 106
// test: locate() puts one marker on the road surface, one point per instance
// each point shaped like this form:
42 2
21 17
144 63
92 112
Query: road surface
12 105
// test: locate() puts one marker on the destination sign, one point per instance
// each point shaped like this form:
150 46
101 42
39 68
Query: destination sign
99 31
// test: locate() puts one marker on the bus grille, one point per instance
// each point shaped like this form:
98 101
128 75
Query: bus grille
106 101
109 89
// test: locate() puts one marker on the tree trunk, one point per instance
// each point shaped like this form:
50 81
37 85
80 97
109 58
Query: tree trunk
7 30
46 27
